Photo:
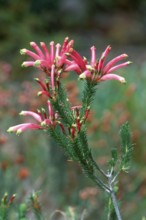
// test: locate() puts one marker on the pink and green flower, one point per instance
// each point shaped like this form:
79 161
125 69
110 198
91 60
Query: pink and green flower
42 121
97 70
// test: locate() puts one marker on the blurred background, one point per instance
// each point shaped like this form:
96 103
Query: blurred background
32 161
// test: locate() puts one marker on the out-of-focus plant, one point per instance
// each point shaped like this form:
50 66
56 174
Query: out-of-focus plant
66 123
31 205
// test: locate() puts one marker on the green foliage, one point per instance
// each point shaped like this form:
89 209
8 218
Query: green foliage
22 211
32 204
62 105
35 204
75 147
3 210
88 95
127 147
5 206
84 158
63 141
114 154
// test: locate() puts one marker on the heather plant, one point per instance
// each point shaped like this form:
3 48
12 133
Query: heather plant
66 123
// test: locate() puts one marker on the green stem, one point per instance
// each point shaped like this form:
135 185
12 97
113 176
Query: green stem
114 200
109 209
100 170
115 204
102 185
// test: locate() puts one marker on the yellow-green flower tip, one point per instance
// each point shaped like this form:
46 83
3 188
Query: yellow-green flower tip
36 79
82 76
43 123
18 132
23 64
37 63
39 93
21 113
23 51
10 130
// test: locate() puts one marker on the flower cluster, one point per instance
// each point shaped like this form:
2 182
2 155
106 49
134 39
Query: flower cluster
54 63
97 70
45 59
43 121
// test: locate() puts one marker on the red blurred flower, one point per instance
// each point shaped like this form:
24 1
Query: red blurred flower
23 173
4 165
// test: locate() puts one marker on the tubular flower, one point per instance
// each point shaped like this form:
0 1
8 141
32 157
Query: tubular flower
45 59
45 88
43 121
78 120
97 70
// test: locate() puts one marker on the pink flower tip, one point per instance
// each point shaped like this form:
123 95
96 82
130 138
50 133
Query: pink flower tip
109 47
32 43
42 43
52 43
125 55
27 63
113 77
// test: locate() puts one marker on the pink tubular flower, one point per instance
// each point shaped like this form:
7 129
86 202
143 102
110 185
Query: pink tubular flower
23 127
52 61
45 59
97 70
113 77
42 121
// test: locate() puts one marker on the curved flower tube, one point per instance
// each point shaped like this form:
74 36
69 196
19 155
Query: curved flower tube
96 69
43 121
44 59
